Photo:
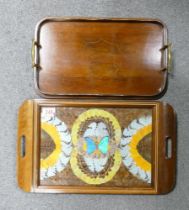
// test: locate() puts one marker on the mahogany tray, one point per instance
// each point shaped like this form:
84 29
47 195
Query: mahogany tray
98 57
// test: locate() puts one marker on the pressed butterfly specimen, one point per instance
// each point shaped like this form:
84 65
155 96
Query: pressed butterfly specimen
91 146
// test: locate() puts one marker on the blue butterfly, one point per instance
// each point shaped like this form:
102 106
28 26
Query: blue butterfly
102 146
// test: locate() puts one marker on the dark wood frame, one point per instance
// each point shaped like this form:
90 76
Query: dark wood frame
92 189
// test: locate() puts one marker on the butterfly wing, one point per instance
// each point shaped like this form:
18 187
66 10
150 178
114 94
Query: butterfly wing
103 145
91 146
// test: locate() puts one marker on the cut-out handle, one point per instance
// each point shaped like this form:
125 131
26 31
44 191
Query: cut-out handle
23 146
168 148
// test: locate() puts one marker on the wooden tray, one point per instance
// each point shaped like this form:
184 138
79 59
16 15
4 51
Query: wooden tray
87 57
88 146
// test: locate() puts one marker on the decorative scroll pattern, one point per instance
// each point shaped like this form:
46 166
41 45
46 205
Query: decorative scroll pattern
60 156
136 164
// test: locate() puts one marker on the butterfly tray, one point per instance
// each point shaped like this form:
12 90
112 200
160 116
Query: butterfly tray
88 136
113 146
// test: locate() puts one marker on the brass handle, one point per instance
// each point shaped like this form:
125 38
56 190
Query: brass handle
33 53
168 48
35 47
169 57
